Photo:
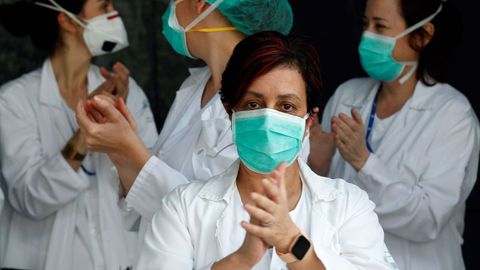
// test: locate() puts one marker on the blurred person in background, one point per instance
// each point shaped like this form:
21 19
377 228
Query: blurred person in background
63 198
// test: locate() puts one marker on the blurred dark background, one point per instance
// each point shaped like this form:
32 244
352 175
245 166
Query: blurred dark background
334 25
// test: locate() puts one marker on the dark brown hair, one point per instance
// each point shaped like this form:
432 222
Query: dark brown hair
259 54
24 18
432 65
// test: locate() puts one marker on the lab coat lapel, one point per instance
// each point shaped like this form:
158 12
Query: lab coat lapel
221 191
51 110
410 112
321 230
183 99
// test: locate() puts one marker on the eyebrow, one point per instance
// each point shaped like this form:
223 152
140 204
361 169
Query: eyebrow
379 19
286 96
375 18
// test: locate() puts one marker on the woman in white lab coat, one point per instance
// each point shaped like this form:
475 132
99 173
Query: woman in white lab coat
195 142
256 215
65 199
406 137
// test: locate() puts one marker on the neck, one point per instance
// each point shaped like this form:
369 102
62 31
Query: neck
219 47
248 182
394 95
70 68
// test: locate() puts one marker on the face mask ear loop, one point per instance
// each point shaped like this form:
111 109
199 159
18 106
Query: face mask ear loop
419 24
57 7
202 16
408 75
408 31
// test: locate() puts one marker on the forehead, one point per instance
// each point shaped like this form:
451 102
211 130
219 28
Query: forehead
281 81
385 9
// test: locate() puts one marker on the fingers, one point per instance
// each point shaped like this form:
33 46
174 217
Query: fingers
82 118
272 189
263 202
279 175
122 107
348 121
258 213
357 117
121 70
255 230
104 107
105 73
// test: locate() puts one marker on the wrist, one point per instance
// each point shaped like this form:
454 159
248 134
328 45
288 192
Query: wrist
358 164
241 260
290 238
136 152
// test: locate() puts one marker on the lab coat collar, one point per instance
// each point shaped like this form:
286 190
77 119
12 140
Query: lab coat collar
49 91
221 190
222 187
419 100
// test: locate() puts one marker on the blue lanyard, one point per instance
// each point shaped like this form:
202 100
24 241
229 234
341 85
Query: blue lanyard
371 120
87 172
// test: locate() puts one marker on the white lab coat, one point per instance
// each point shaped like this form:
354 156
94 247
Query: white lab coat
197 226
48 196
420 175
2 199
195 144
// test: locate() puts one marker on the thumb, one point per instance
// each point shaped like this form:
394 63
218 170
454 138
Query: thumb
357 117
83 120
103 106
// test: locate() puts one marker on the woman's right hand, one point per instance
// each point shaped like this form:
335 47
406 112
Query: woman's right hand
116 133
252 249
246 257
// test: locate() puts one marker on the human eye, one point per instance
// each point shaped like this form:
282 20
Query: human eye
252 105
288 107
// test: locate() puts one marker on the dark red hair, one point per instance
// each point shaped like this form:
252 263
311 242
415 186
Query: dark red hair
259 54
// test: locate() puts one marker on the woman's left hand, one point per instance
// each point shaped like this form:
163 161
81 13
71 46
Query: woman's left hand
276 227
120 77
350 138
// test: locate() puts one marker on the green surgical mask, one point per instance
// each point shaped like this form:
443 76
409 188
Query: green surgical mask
267 137
176 34
376 54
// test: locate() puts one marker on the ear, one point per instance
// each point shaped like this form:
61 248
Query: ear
429 28
66 24
201 5
313 117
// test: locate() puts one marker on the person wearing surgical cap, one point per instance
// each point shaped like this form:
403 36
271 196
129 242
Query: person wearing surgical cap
195 143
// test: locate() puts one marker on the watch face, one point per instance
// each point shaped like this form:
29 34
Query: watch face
301 247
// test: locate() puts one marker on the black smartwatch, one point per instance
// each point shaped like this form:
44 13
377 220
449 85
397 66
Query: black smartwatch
298 249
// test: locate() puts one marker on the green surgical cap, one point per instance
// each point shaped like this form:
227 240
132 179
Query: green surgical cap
253 16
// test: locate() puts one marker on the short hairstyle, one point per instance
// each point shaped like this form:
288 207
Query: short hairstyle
259 54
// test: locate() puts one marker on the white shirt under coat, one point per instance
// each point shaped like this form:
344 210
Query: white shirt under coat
199 224
61 218
422 170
